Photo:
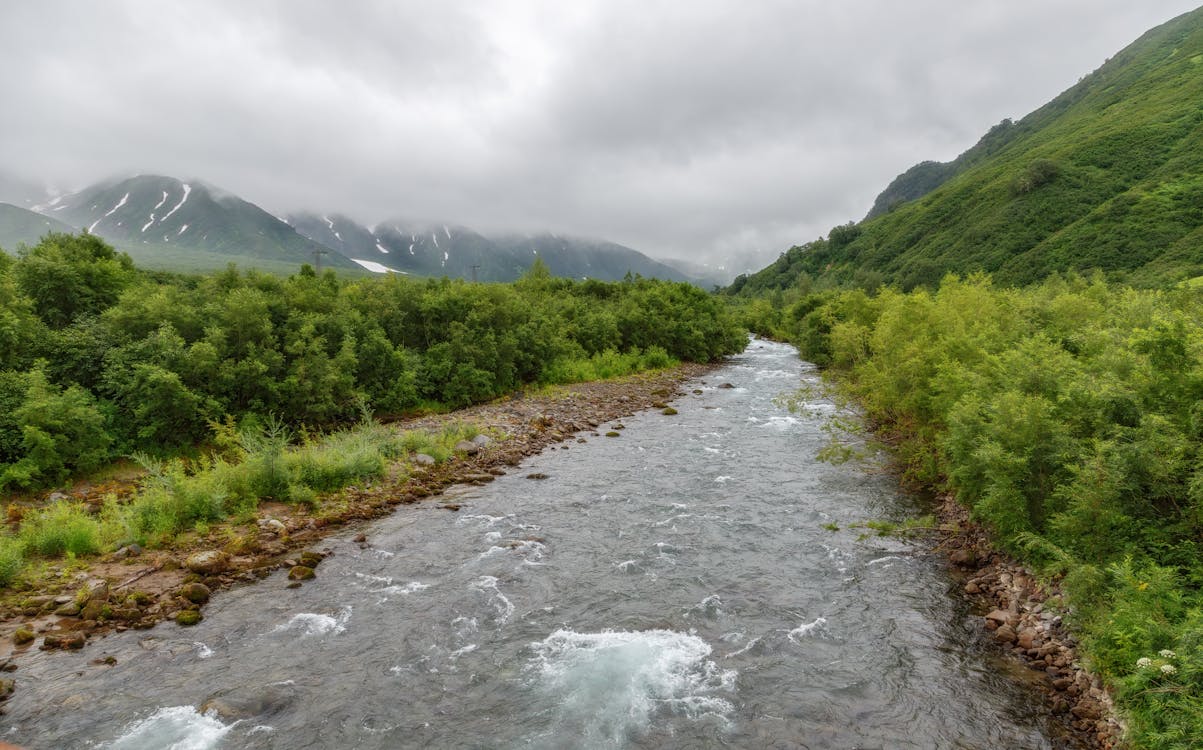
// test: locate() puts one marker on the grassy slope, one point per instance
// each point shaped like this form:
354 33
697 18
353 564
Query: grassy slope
1126 146
22 226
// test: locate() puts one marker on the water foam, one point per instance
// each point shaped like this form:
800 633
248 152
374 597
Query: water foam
172 728
817 627
310 623
488 585
612 683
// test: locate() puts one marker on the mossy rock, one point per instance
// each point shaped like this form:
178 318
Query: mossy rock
669 411
23 635
300 573
197 593
311 559
188 617
612 433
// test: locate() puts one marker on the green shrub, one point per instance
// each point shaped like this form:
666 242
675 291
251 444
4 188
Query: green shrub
12 559
61 528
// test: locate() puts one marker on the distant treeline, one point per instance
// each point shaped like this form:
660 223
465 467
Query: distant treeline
99 359
1069 417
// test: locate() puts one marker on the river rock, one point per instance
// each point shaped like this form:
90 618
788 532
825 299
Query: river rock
70 609
95 590
467 448
482 440
197 593
129 550
999 617
273 525
1005 633
311 559
241 703
726 385
423 459
1027 638
7 687
300 573
207 563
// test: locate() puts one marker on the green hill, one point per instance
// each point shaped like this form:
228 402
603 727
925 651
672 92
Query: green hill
22 226
1108 176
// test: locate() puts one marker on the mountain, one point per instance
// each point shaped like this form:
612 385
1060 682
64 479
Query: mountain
162 221
22 226
425 249
1107 176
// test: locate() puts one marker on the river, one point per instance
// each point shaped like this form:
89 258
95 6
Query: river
681 586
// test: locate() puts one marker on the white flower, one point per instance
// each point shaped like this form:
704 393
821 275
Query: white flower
1168 669
1166 653
1144 662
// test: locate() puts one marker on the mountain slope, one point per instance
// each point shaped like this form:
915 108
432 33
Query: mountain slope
19 225
1108 175
154 217
457 251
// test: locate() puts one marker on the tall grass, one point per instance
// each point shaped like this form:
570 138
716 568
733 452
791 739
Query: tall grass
178 496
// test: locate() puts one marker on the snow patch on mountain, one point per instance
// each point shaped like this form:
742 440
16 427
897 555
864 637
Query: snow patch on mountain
187 190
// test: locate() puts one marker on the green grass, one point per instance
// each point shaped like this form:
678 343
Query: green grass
179 497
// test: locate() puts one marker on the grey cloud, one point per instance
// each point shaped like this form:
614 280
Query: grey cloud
702 129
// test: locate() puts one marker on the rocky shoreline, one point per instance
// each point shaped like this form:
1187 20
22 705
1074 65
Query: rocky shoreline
75 604
1022 616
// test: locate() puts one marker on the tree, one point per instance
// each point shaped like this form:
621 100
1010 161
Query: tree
67 276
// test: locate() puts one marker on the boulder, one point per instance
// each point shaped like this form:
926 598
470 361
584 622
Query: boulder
188 617
246 702
467 448
208 562
999 617
300 573
311 559
197 593
423 459
482 441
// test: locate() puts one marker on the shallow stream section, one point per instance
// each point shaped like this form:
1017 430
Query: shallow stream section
679 586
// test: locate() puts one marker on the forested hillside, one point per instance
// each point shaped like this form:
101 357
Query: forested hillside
1107 176
98 359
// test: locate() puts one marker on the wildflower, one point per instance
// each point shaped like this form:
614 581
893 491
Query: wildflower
1166 653
1168 669
1144 662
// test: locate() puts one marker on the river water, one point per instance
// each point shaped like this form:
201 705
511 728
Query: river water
676 587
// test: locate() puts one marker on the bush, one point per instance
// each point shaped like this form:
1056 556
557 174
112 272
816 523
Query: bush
61 528
12 558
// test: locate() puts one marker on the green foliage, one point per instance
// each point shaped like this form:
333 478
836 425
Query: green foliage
61 430
66 276
135 363
12 558
61 528
1067 417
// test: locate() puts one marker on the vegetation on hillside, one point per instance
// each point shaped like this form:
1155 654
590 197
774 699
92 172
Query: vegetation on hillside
1069 417
1107 176
99 360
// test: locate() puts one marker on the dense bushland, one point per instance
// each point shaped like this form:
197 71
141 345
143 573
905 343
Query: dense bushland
1069 417
99 360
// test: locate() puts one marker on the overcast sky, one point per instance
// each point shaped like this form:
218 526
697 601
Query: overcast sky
691 129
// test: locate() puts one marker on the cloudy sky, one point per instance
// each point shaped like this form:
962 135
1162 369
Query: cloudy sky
699 129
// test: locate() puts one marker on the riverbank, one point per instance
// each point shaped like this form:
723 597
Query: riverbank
1024 616
74 603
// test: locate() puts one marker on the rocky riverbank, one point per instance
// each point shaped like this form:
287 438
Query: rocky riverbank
1024 617
75 603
